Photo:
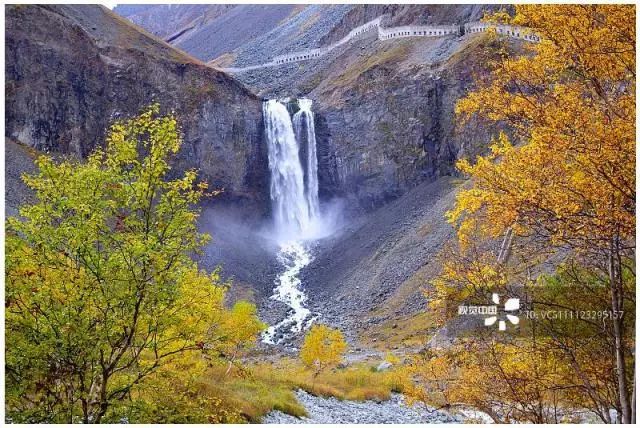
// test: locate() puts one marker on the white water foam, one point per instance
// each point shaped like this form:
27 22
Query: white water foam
304 120
294 256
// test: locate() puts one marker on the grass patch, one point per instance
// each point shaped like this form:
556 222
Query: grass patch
358 383
424 229
248 393
224 60
408 332
394 54
252 393
311 83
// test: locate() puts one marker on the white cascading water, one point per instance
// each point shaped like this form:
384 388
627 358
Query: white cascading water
304 120
290 206
295 207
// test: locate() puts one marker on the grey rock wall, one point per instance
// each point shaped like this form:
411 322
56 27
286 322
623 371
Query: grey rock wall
66 82
392 128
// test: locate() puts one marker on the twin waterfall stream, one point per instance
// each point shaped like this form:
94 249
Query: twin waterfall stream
293 165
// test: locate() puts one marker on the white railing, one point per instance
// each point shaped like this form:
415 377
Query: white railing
315 53
501 29
417 31
394 33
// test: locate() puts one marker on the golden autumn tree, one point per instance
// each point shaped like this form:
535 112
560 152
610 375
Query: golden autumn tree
102 291
239 331
323 347
563 172
511 382
540 373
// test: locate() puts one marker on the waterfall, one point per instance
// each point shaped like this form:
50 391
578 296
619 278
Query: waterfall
290 206
304 120
296 209
294 189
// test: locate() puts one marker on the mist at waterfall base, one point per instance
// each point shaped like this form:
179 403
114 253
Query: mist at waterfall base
298 218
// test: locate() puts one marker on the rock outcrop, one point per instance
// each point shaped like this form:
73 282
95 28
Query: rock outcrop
72 70
385 118
387 121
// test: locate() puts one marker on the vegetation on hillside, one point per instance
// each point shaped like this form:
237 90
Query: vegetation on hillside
558 183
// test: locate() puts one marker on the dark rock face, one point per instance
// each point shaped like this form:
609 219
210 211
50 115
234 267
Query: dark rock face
393 126
385 110
390 137
72 70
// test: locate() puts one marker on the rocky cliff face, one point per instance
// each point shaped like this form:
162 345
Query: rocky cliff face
72 70
388 123
385 109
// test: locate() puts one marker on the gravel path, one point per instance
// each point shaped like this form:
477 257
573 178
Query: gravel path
334 411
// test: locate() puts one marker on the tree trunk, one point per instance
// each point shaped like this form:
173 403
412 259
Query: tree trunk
226 373
103 403
633 399
617 299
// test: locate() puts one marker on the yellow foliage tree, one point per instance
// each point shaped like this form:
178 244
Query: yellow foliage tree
101 287
566 174
522 381
239 331
323 347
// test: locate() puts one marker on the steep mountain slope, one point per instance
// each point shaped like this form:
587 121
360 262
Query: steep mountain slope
388 141
170 21
387 135
407 14
375 269
207 31
241 25
303 30
385 117
71 70
385 109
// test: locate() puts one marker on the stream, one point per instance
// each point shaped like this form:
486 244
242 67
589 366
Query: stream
294 256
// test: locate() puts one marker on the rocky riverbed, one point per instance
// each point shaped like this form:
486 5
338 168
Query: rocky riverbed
333 411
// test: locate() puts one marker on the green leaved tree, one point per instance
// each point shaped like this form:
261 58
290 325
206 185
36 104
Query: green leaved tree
101 289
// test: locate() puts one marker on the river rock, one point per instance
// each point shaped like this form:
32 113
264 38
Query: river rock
333 411
385 365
